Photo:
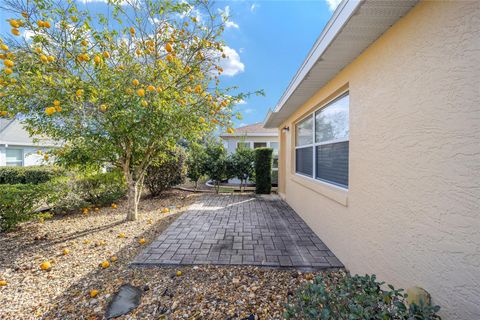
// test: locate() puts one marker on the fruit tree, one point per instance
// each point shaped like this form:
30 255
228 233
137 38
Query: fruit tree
116 87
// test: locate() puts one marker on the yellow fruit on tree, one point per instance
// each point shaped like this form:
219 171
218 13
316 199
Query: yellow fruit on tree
38 50
43 58
230 130
51 58
159 89
79 92
84 43
74 18
106 54
56 102
3 283
135 82
97 59
40 23
142 241
14 23
45 266
25 14
50 110
66 251
144 103
8 63
151 88
169 58
4 47
93 293
103 108
168 47
15 32
132 30
113 258
201 119
46 24
141 92
58 108
105 264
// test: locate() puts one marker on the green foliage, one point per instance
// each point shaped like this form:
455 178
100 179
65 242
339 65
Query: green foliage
263 170
195 162
167 171
332 296
242 164
215 164
73 192
17 203
28 175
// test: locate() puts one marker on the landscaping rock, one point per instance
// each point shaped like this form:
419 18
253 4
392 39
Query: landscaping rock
124 301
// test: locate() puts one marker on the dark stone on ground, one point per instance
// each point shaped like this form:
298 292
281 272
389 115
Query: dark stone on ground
124 301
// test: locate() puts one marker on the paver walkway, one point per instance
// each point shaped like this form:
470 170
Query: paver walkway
239 230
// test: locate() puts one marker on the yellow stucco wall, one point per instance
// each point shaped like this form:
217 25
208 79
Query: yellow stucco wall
412 211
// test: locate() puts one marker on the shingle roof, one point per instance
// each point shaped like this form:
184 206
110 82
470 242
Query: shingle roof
252 129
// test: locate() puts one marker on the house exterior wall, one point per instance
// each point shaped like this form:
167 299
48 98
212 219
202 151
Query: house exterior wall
30 156
230 143
411 214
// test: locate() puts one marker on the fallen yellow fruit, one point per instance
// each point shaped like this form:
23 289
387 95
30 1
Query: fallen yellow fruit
114 206
96 209
121 235
149 221
165 210
179 273
45 266
113 258
3 283
93 293
8 63
142 241
66 251
105 264
141 92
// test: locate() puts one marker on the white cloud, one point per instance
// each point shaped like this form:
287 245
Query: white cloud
231 64
242 102
226 16
254 7
333 4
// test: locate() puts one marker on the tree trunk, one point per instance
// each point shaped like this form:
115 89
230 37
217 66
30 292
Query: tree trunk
134 192
196 185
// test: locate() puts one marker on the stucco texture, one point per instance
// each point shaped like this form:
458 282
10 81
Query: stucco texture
412 211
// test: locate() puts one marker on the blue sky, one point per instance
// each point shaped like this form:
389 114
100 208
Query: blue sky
267 42
272 39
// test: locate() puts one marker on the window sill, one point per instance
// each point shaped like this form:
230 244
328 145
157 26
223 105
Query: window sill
330 191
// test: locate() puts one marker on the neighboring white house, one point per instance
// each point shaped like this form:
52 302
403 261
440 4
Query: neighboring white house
17 148
254 136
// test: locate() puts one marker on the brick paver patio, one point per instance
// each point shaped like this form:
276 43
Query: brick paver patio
239 230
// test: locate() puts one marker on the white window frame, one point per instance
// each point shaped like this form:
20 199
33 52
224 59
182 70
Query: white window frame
251 144
315 144
13 148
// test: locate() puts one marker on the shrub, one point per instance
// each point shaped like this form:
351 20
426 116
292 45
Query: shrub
28 175
332 296
195 163
242 164
167 171
215 164
17 203
263 170
73 192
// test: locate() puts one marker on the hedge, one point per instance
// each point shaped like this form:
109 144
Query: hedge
263 170
28 175
17 203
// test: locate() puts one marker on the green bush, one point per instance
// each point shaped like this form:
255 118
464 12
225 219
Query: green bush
215 164
242 164
332 296
73 192
195 162
17 203
167 171
263 170
28 175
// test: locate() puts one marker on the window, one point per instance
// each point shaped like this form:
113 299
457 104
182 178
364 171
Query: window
274 146
14 157
259 145
244 145
322 143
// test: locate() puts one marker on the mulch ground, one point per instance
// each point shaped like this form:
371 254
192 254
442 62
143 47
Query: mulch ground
203 292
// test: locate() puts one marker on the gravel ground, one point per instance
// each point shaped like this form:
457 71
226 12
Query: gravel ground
203 292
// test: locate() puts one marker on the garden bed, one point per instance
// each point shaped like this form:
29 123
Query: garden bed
205 292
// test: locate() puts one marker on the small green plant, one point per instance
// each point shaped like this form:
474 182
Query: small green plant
195 163
18 202
334 296
165 172
242 164
263 170
28 175
215 164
